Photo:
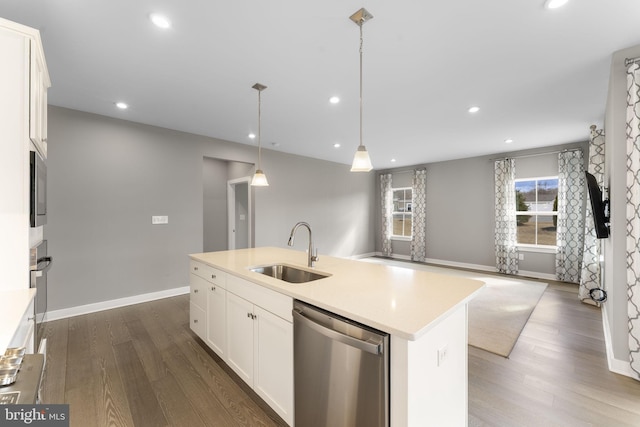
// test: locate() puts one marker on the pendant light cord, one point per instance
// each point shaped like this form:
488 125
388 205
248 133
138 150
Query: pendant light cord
361 43
259 130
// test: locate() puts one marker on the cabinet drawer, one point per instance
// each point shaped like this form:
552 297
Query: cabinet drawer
208 273
197 320
198 291
275 302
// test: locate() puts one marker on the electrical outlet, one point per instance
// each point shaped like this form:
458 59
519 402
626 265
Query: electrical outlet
521 257
162 219
443 354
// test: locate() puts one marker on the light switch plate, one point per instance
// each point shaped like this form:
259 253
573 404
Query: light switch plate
160 219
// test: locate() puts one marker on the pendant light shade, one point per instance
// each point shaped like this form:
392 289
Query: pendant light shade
259 178
361 160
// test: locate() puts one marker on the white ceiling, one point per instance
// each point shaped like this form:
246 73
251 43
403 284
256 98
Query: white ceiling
539 76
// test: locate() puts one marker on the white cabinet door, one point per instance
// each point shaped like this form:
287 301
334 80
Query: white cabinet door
240 337
198 320
38 103
216 319
273 362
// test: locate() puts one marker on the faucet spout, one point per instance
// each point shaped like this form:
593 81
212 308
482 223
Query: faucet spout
312 257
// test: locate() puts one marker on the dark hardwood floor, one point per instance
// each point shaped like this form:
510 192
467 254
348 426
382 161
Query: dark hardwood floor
142 366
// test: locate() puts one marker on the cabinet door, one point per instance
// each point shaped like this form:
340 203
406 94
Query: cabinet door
216 319
38 100
273 362
240 337
197 320
199 291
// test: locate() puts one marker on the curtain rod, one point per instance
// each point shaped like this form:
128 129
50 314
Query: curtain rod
629 61
536 155
399 172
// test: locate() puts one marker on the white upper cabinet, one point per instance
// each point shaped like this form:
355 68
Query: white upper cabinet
39 84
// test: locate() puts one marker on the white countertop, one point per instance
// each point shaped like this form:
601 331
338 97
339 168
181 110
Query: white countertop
400 301
16 303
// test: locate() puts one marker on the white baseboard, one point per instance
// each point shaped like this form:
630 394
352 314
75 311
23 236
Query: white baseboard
618 366
360 256
479 267
115 303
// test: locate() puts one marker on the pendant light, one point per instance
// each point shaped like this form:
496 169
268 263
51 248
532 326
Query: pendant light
361 160
259 178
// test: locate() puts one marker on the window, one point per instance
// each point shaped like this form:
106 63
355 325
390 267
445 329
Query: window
536 210
401 213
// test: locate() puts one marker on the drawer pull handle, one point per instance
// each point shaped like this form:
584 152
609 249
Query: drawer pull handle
213 276
213 288
195 320
195 291
195 268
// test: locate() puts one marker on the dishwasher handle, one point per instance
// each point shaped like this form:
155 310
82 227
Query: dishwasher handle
369 347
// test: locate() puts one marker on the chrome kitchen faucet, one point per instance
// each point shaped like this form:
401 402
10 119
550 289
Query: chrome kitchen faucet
313 257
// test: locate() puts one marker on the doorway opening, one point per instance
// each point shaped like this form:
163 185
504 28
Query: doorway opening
227 205
239 213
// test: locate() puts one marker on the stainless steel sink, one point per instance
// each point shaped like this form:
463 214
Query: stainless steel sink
289 273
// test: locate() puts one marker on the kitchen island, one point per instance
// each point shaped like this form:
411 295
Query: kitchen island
424 313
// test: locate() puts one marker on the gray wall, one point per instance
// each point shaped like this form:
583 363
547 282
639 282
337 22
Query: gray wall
214 177
215 174
460 208
615 269
107 177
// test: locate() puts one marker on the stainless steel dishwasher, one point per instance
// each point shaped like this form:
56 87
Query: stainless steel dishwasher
341 371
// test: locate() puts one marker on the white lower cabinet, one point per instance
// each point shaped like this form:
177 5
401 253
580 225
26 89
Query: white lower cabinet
240 337
216 318
273 362
198 307
251 328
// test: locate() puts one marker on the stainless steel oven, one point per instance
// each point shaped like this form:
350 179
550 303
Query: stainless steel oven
40 263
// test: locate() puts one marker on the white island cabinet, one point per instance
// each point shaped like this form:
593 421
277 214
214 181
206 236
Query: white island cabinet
250 328
424 313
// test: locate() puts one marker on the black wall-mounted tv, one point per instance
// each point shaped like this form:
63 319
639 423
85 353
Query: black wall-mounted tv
599 207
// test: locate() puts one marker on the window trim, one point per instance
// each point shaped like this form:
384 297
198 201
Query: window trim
529 247
409 213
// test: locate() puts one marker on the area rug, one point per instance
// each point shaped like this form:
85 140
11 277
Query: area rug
498 313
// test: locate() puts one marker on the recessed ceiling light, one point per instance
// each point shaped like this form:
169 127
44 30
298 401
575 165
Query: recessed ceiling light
252 136
508 141
122 105
393 160
334 100
336 145
554 4
473 109
160 21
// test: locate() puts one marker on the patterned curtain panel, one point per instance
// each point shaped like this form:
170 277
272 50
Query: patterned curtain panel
387 206
633 214
591 270
419 217
506 233
570 230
